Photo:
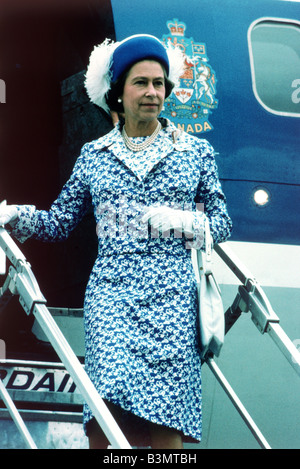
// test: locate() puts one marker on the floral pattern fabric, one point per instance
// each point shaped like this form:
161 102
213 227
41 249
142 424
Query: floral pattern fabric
141 299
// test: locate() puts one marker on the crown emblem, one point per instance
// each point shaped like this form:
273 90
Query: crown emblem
176 28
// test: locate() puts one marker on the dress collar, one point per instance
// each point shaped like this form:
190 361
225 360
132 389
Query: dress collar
114 136
170 139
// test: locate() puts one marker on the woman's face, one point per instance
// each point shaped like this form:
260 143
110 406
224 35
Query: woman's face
144 92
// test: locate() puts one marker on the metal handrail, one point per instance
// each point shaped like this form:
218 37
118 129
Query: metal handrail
251 298
21 281
15 415
238 404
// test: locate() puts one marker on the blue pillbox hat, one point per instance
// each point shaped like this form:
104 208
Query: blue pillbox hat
109 60
137 48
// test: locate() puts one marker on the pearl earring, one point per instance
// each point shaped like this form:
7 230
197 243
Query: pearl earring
119 100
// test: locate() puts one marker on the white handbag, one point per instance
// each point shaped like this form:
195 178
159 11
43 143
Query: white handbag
211 311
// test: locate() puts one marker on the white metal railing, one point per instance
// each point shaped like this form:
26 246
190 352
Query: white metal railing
251 298
15 415
238 404
22 282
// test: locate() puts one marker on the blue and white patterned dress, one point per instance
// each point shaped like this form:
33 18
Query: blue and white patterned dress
141 301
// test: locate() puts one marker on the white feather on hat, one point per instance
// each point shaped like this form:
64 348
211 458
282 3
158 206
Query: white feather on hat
98 76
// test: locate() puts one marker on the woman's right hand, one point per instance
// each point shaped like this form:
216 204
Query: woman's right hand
8 213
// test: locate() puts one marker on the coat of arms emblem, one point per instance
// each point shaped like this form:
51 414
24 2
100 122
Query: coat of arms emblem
191 103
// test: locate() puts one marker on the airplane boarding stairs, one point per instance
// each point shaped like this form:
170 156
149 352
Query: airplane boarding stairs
35 392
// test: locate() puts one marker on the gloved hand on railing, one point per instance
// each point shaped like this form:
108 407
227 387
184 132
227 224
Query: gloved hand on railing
165 218
8 213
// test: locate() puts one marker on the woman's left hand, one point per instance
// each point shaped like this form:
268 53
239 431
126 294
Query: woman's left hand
165 218
8 214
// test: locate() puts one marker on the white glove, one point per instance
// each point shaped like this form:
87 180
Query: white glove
165 218
8 213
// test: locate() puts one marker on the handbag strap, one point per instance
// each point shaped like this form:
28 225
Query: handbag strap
208 246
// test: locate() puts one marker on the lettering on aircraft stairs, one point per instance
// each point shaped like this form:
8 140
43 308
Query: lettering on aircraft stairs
21 281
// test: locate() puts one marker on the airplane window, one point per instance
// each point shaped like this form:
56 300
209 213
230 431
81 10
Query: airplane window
274 47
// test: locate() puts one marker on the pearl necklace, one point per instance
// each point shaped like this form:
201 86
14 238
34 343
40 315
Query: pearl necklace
140 146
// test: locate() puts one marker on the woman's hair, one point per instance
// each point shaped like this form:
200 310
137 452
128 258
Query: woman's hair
117 87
